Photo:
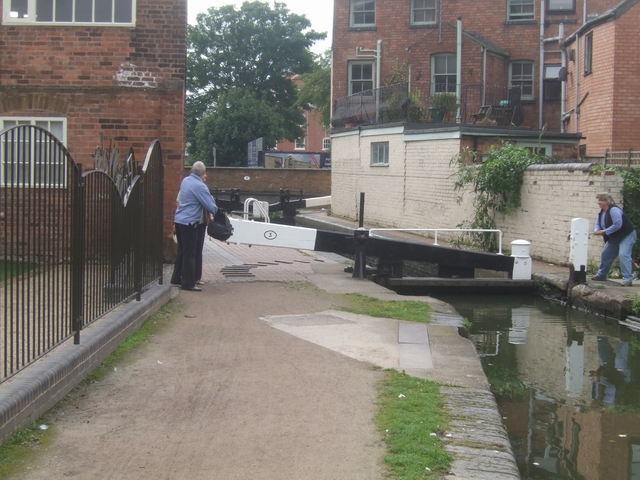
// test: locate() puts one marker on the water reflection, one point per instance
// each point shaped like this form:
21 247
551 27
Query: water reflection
566 383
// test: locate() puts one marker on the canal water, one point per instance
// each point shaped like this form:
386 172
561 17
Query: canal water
567 385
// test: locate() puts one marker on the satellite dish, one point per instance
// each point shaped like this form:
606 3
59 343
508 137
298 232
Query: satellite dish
562 74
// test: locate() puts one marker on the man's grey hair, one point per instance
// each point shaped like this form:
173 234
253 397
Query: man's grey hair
198 168
606 197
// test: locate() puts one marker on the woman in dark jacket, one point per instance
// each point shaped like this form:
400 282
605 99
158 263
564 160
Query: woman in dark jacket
619 237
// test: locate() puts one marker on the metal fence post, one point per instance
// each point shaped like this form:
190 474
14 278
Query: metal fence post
77 254
138 243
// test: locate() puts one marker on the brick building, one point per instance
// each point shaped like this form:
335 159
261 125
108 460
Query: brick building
83 69
461 46
316 139
603 71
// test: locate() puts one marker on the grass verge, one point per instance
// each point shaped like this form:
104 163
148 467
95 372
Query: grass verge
14 269
411 422
409 310
17 452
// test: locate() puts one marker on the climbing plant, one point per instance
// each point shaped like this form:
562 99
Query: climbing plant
631 195
496 184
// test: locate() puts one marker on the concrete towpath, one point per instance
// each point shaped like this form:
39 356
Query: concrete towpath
263 376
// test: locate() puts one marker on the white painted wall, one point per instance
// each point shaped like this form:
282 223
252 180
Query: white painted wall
417 190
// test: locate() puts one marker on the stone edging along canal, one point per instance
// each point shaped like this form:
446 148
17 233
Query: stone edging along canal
608 299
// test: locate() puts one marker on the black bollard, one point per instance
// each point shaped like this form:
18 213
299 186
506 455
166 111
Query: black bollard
360 237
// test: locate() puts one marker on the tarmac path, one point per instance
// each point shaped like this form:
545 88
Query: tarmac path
220 394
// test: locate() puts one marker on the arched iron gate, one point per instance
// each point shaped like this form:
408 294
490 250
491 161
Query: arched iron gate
72 246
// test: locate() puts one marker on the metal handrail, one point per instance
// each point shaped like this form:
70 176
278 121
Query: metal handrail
436 230
255 201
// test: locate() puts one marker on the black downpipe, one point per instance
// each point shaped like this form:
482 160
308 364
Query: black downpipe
77 249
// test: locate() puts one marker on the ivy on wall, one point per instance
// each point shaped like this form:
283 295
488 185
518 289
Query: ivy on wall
631 195
496 183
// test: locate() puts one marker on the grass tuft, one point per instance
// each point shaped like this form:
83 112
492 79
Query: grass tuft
410 421
409 310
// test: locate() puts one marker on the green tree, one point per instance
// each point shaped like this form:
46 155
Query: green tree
315 93
237 118
254 50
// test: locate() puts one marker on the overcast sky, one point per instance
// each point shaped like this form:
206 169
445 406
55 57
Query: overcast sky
319 12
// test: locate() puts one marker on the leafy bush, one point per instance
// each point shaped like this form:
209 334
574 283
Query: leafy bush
496 183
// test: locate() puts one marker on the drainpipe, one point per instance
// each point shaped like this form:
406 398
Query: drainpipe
378 70
577 73
459 68
584 12
541 75
484 75
563 83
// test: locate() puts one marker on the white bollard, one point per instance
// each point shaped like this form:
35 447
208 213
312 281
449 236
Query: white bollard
579 238
522 262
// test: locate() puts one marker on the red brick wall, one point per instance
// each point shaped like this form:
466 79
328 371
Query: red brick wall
608 95
127 83
486 18
316 183
626 95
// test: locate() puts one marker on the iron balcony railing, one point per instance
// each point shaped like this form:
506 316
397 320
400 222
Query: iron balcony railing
73 246
423 102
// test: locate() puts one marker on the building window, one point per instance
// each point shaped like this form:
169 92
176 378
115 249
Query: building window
444 72
423 12
542 149
360 77
588 53
300 143
326 143
102 12
552 83
521 75
561 5
380 153
519 10
363 13
19 158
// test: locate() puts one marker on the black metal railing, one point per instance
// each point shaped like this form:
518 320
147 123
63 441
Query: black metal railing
72 247
423 102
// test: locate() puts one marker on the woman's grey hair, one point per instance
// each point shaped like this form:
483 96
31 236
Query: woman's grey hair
198 168
606 197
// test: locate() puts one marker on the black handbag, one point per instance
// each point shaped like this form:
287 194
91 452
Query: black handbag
220 228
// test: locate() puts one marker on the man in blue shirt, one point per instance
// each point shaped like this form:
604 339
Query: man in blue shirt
195 199
619 236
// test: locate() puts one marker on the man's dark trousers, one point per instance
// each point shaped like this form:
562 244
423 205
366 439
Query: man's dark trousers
184 270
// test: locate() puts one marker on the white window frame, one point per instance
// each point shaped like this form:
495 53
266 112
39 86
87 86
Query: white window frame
28 15
544 149
300 143
326 143
588 53
379 154
451 69
361 8
524 81
422 8
561 6
44 122
521 10
361 80
552 82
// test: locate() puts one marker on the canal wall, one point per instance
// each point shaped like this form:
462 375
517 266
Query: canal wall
608 299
